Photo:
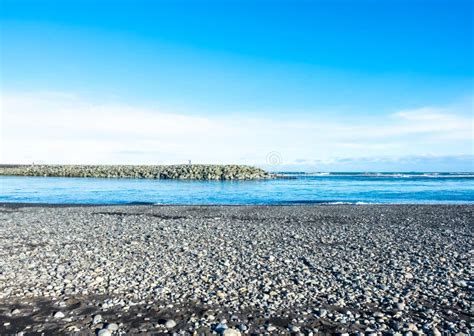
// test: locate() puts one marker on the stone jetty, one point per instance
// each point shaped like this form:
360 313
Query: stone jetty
183 172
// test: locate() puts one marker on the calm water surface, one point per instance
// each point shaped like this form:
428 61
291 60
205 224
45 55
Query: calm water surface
296 188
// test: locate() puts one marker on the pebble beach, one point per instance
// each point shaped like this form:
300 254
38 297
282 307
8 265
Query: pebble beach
236 270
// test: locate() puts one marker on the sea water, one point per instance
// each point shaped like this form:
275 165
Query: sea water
291 188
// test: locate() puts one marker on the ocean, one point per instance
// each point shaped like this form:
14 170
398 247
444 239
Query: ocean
291 188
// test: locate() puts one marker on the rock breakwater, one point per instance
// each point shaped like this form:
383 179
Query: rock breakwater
183 172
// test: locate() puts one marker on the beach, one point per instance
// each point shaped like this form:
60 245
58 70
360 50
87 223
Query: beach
235 270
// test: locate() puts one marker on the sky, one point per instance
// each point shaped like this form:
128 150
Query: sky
340 85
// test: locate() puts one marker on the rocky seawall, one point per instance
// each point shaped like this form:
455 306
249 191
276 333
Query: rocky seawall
183 172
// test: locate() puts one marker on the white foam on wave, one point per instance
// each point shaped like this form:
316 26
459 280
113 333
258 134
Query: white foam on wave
348 203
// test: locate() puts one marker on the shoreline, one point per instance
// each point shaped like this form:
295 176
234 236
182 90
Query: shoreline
321 269
17 205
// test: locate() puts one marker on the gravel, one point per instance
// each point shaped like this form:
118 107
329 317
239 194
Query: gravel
302 270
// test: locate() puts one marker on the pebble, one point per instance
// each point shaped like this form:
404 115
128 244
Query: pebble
242 327
59 315
294 329
211 317
436 332
104 332
400 306
220 328
170 324
97 319
271 328
112 326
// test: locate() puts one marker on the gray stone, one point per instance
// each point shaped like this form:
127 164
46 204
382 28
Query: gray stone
97 319
104 332
112 326
271 328
170 324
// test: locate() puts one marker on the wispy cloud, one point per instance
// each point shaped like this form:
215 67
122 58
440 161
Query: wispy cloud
58 127
425 163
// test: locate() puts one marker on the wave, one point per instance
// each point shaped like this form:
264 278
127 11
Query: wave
348 203
321 202
377 174
138 203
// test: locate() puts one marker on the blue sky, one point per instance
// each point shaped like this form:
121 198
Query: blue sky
327 85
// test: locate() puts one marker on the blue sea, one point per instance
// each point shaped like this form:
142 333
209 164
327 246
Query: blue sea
291 188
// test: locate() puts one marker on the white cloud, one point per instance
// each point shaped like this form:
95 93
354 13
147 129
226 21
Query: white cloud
57 127
424 163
